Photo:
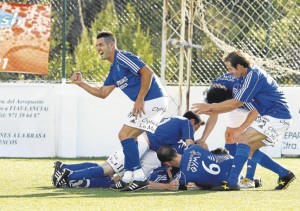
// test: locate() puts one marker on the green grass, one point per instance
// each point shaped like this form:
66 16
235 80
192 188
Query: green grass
26 185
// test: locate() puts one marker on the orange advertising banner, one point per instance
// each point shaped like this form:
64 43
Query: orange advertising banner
24 38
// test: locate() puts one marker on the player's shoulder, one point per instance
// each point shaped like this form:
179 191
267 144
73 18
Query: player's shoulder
194 147
180 118
125 56
256 71
225 77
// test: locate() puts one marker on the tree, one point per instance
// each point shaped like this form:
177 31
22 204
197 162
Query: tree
130 37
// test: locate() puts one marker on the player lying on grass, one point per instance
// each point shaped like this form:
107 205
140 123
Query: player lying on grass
161 178
174 131
197 165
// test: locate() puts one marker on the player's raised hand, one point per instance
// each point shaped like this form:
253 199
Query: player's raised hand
76 78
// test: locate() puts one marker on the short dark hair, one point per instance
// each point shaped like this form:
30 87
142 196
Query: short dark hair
166 153
237 57
220 150
191 115
108 36
218 93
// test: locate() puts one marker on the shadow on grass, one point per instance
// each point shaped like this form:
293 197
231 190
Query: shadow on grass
52 192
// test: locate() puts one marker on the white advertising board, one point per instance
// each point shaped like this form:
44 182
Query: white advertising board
27 121
42 120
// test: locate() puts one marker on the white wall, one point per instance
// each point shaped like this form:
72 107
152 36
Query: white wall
65 121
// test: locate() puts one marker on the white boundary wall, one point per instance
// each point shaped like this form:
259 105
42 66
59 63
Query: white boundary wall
42 120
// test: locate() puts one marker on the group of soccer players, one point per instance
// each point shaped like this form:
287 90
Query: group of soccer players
246 90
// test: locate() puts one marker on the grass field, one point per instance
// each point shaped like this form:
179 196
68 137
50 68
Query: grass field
26 185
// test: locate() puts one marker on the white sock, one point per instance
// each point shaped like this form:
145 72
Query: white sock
127 176
139 175
88 182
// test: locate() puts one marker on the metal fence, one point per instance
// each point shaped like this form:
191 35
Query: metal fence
268 31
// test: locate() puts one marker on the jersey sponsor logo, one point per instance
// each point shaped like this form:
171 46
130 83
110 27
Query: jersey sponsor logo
193 163
122 83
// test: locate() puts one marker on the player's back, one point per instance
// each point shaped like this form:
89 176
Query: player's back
260 86
203 167
171 131
228 80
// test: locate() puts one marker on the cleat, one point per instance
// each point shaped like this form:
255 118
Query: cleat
257 182
246 183
57 171
136 185
57 165
63 180
119 185
284 182
62 184
225 187
55 177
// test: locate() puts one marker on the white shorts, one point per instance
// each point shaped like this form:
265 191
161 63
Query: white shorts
271 127
150 162
154 112
236 117
116 159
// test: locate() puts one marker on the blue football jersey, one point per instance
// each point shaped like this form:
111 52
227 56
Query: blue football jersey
172 131
203 167
124 74
259 86
160 175
229 81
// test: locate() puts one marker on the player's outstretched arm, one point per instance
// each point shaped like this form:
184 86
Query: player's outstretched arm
209 126
172 186
101 92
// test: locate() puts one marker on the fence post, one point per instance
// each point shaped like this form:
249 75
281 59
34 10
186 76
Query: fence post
63 55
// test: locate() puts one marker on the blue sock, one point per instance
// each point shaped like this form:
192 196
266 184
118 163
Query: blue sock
268 163
231 148
92 172
79 166
131 153
251 167
102 182
240 158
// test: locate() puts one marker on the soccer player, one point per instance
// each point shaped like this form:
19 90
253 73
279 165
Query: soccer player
175 131
237 121
93 175
197 165
275 118
141 85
